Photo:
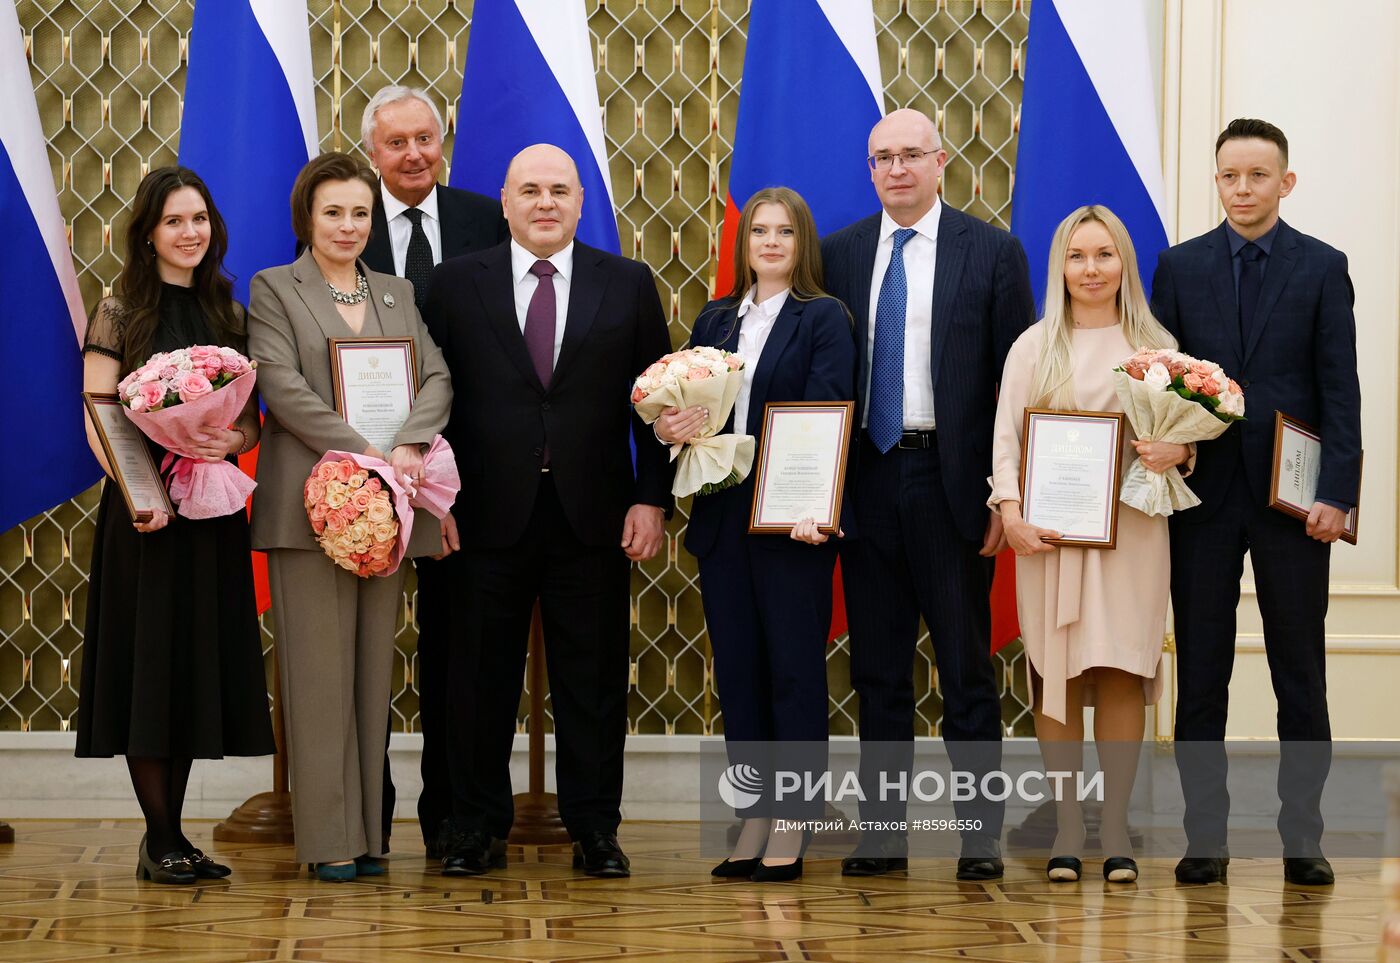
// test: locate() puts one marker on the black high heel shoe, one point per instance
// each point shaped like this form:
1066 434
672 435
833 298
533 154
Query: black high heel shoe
206 868
1064 869
1120 869
786 872
173 869
737 868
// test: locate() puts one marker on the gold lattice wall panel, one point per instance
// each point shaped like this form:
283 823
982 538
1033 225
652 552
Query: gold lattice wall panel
109 74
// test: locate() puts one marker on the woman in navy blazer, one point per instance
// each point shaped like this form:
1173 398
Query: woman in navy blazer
768 598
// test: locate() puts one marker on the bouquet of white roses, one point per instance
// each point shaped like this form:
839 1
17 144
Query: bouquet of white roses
710 378
1172 397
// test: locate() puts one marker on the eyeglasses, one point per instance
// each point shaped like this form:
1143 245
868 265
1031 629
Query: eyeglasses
883 162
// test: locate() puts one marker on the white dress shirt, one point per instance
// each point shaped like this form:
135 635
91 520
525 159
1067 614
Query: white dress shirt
920 256
401 227
755 324
521 261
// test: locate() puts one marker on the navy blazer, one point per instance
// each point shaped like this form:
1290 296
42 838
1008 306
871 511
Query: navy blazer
809 356
1300 359
982 301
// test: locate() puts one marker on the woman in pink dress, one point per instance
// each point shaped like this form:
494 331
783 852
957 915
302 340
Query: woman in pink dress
1092 620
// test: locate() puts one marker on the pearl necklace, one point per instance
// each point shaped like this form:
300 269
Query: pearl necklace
358 296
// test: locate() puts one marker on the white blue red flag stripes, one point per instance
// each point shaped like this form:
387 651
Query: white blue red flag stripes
249 122
811 92
529 79
1089 128
43 446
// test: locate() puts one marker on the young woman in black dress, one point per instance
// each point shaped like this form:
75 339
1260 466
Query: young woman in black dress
172 668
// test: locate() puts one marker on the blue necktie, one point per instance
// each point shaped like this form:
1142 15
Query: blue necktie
885 419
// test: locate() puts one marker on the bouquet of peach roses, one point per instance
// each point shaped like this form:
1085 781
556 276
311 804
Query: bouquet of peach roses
1173 397
711 378
359 512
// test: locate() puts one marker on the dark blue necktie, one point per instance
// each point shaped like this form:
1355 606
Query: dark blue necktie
885 419
1251 280
418 261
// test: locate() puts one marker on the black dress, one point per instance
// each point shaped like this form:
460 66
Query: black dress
172 663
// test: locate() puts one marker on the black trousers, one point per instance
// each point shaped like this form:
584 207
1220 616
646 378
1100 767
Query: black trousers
584 606
767 603
1290 576
907 560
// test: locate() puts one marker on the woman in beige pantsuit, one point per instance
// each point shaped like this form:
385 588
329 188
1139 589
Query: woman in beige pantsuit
335 631
1092 620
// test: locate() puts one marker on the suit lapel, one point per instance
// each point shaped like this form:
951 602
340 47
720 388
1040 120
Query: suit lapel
451 227
392 320
585 295
1276 275
497 286
1222 283
311 288
951 253
379 252
863 266
784 326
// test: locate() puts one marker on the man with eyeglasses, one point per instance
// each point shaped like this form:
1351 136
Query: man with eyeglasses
937 297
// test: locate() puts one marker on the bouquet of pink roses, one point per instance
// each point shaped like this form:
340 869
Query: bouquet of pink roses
176 394
1173 397
359 513
711 378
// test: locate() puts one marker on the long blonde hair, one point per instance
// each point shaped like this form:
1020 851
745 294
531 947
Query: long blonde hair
1053 386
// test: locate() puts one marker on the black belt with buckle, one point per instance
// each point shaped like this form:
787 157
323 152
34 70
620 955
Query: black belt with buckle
916 439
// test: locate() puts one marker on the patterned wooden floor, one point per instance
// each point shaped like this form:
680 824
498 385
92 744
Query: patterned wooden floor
67 892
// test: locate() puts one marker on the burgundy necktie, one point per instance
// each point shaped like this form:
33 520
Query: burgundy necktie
539 322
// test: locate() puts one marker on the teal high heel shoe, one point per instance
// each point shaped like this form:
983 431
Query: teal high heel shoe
369 866
327 873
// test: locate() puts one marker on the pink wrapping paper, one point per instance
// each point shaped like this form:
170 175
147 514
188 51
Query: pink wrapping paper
200 489
403 509
441 482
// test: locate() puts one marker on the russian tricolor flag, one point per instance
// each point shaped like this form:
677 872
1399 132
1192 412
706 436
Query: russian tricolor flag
43 442
811 92
248 126
529 79
1088 128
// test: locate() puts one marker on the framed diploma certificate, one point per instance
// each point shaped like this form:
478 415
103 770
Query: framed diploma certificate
1297 464
801 465
1071 468
127 455
375 382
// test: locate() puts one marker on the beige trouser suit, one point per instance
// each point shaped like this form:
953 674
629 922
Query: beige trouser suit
335 631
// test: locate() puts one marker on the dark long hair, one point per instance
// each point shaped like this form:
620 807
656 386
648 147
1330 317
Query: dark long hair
138 285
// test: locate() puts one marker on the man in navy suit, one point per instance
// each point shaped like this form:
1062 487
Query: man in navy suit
1274 307
937 297
416 223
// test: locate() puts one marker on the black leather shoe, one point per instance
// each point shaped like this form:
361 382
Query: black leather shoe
1120 869
598 854
206 868
471 853
171 869
736 868
1202 869
976 868
886 856
1308 871
1063 869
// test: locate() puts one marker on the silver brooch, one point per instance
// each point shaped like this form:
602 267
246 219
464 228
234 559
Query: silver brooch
388 300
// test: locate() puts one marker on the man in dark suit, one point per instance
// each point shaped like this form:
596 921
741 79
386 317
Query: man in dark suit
544 336
1274 307
417 223
938 297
